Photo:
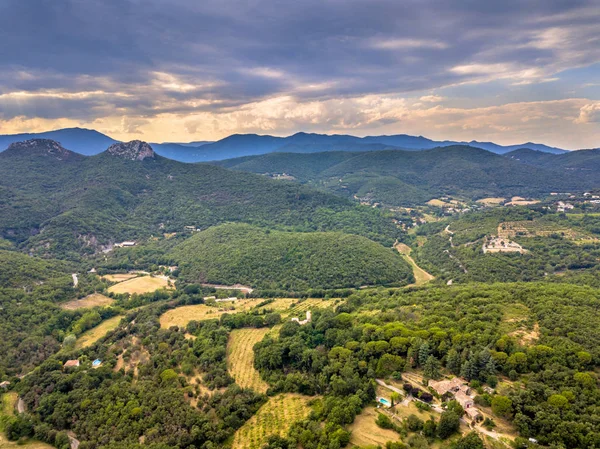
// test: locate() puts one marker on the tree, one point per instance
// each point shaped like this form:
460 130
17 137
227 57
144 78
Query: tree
69 341
448 424
502 406
470 441
431 369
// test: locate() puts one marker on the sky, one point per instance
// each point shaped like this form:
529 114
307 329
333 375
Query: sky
507 71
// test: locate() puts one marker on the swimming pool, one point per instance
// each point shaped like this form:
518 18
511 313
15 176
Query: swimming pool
385 402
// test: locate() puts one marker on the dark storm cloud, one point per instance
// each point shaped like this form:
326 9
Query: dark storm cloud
222 54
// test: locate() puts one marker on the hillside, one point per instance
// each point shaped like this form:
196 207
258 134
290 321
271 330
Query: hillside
582 163
239 253
413 177
56 202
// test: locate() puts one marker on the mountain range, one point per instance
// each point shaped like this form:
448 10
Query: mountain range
90 142
56 202
404 178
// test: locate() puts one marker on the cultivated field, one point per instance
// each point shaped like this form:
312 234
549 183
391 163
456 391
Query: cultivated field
181 316
309 304
491 201
275 417
240 358
91 336
93 300
119 277
139 285
366 433
438 203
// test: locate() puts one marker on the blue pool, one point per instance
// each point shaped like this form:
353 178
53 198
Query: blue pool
385 402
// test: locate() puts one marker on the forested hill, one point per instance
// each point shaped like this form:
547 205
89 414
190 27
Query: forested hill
239 253
58 203
582 163
410 177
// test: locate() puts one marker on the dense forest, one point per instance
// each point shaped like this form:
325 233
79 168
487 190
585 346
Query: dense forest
238 253
408 178
60 204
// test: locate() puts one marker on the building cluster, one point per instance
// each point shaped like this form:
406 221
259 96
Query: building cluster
458 388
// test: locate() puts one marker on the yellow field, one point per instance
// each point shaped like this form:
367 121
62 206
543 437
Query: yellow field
181 316
491 201
91 336
365 432
119 277
438 203
421 276
93 300
139 285
240 358
275 417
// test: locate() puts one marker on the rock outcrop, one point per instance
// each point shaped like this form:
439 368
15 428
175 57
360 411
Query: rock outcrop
42 147
136 150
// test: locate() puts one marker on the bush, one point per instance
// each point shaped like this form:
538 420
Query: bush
384 421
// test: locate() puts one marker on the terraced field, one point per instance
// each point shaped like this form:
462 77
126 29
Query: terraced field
273 418
240 358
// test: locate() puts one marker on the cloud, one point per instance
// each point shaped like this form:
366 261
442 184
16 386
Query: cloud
431 98
589 113
216 66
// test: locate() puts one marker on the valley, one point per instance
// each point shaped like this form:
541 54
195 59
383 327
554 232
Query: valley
261 313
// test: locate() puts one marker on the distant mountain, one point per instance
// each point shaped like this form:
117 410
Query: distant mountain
80 140
404 178
59 203
90 142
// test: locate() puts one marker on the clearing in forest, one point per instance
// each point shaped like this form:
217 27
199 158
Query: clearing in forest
366 433
93 300
91 336
494 201
240 358
287 307
119 277
438 203
421 276
181 316
139 285
273 418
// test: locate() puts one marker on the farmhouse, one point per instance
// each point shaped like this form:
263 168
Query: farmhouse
71 364
447 386
463 399
474 414
4 384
